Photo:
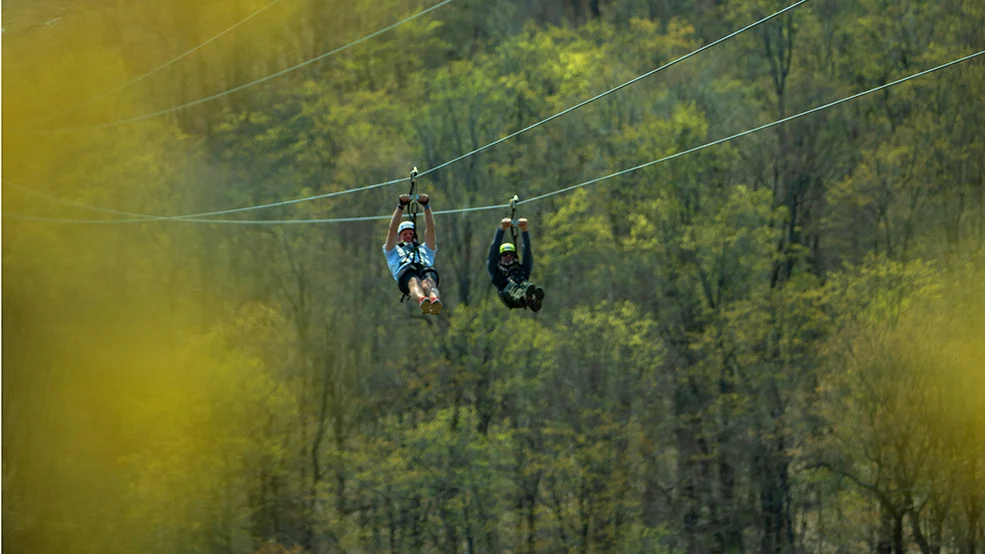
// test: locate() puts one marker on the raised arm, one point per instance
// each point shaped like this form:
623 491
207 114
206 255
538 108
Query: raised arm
398 212
528 253
429 240
493 262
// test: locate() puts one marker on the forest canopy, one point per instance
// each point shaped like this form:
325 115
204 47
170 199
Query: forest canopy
774 344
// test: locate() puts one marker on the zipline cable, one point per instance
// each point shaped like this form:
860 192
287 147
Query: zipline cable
760 128
196 217
559 191
55 199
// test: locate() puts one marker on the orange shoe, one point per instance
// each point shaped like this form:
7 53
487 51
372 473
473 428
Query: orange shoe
425 304
435 305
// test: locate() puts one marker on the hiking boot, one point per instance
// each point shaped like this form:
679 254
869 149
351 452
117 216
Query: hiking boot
435 305
536 299
528 293
425 304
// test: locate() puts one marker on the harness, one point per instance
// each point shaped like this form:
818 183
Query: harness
514 272
409 253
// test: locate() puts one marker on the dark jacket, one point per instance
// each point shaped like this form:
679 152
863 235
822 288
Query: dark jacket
519 272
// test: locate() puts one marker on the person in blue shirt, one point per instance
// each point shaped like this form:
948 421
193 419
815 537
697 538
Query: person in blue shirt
509 275
412 263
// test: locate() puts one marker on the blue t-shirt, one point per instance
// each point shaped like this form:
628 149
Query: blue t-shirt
402 255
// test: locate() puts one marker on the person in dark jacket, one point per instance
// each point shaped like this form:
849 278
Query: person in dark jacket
509 275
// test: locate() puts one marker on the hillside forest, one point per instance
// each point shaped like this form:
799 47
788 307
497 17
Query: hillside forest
773 344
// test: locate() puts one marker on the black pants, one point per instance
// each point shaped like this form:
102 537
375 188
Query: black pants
419 271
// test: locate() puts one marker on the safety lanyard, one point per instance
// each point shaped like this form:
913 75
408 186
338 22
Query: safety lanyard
513 221
414 208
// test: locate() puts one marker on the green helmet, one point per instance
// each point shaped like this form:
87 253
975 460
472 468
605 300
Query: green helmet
506 247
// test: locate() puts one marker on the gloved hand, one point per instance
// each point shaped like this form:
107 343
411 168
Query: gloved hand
505 224
423 200
523 224
404 199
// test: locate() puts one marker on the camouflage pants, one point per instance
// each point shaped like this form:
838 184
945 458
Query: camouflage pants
514 295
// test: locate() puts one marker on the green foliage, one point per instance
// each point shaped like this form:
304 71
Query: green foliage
770 345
